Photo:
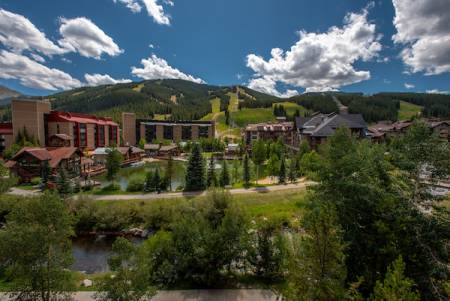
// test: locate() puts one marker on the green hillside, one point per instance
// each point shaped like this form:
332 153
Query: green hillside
408 110
181 99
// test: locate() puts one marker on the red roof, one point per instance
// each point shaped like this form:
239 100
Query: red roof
6 128
57 116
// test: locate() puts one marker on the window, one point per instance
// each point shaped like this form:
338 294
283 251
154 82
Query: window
186 133
150 133
168 132
2 143
203 131
112 135
76 140
83 135
100 131
57 129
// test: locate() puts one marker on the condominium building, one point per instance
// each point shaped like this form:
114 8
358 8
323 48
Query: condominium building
158 130
6 136
62 129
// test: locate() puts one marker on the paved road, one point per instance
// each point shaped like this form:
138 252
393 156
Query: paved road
194 295
238 191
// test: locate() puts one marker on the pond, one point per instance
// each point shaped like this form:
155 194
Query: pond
91 253
125 174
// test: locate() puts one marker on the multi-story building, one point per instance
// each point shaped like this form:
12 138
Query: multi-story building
6 136
270 131
159 130
62 129
317 128
384 129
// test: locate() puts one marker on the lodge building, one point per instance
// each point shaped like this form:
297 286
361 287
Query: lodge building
62 129
159 130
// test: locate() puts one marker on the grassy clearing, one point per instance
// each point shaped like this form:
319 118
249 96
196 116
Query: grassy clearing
234 102
408 110
139 87
215 105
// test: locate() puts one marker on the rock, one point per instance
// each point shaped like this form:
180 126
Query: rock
87 283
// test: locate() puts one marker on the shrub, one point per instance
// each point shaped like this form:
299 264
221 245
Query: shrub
35 181
111 187
135 184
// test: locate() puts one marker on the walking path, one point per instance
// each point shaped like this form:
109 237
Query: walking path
169 195
193 295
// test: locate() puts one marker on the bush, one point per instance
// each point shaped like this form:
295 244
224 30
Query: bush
135 184
6 183
111 187
35 181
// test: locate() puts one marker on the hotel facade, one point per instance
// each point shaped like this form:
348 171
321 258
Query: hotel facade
159 130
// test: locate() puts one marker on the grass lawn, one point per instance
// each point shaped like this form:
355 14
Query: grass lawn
408 110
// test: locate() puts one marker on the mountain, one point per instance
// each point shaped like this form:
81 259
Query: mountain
6 95
182 99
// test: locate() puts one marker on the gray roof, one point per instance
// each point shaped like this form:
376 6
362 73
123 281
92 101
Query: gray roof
324 125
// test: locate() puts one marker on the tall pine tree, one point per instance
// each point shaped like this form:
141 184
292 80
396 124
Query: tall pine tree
225 175
282 174
246 172
195 173
211 179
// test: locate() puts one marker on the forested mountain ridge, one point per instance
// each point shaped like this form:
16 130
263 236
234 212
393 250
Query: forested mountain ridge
182 99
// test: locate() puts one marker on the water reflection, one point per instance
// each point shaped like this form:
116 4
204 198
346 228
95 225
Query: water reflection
91 252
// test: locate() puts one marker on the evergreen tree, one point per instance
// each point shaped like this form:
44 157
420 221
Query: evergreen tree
282 174
113 163
148 182
316 264
63 183
46 172
395 287
225 175
169 172
195 173
211 179
292 175
156 181
258 155
227 117
246 171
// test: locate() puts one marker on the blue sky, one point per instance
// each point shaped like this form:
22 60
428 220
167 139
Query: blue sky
345 45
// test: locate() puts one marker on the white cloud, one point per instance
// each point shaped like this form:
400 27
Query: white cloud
424 30
133 5
436 91
83 36
33 74
409 86
156 11
103 79
37 58
322 61
151 46
17 33
158 68
268 86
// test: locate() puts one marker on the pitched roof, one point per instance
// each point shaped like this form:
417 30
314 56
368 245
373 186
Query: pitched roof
166 148
151 146
60 153
324 125
53 155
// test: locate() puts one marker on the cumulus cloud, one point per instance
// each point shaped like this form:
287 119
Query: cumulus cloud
33 74
103 79
83 36
436 91
424 30
133 5
409 86
268 86
156 11
158 68
321 61
17 33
